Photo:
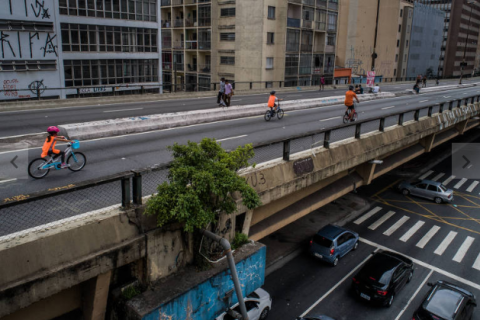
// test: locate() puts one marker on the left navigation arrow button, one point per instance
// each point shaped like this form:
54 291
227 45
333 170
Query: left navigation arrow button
13 162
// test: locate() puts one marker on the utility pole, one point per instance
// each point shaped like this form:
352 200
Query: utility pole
463 64
374 54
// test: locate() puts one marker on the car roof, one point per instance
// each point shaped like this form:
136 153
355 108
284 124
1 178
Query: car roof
451 286
443 302
330 231
431 182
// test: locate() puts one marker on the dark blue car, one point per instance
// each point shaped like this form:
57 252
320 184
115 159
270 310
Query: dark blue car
333 242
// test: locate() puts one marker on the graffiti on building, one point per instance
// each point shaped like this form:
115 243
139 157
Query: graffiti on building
38 8
4 42
49 47
10 87
354 64
34 86
40 44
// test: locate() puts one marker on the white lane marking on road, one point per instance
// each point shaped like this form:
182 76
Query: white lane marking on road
330 119
448 180
427 237
24 135
414 295
429 266
380 221
388 108
335 286
438 176
423 101
396 87
463 249
9 180
238 137
445 243
446 97
412 231
472 186
367 215
396 225
476 264
460 183
426 175
122 110
236 100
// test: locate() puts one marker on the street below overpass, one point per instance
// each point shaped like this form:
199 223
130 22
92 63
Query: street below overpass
32 121
108 156
441 239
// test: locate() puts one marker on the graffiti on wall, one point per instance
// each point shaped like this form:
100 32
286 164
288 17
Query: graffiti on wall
361 56
34 86
355 64
12 44
29 7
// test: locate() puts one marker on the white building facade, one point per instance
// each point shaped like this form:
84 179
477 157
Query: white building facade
63 48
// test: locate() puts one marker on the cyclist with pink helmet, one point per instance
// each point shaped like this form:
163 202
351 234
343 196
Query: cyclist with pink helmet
48 148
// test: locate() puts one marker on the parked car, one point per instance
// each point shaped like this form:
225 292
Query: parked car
382 277
333 242
258 304
427 189
315 318
446 301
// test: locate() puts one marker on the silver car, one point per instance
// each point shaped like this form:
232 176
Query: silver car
258 304
427 189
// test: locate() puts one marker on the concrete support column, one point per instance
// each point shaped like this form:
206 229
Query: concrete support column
461 126
366 171
95 295
247 222
427 142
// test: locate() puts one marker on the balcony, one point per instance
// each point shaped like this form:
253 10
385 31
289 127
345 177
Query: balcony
166 65
190 2
306 47
177 2
329 49
178 23
321 3
204 68
204 22
293 23
333 5
166 44
191 45
292 47
320 26
295 1
204 45
309 2
305 70
291 71
166 24
307 24
332 28
192 68
165 3
189 23
178 45
179 66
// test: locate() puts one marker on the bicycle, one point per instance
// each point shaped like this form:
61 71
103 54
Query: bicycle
271 113
40 167
346 116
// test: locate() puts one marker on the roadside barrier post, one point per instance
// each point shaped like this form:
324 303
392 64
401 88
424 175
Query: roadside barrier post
358 130
381 128
417 115
286 150
126 193
137 188
430 110
400 119
326 139
38 93
440 110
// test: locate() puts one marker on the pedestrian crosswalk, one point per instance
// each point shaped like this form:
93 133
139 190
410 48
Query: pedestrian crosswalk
459 183
445 243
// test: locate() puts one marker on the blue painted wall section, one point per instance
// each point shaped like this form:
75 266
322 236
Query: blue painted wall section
205 301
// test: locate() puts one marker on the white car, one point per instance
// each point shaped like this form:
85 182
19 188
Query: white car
258 305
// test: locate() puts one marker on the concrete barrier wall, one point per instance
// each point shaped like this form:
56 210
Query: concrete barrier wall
115 127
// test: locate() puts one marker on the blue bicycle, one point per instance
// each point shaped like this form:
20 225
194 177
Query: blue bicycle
40 167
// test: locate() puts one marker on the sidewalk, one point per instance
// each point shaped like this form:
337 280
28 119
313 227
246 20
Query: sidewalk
289 242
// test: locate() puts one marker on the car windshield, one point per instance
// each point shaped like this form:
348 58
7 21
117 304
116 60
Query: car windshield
322 241
443 303
443 188
253 295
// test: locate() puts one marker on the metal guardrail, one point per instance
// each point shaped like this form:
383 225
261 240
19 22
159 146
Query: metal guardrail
128 188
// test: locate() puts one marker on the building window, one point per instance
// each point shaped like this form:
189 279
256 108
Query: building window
331 40
104 72
271 12
270 38
394 72
28 65
396 58
398 43
399 28
141 10
227 12
269 63
332 21
401 13
91 38
227 60
227 36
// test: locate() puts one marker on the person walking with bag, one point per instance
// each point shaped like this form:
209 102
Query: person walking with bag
322 83
228 92
221 93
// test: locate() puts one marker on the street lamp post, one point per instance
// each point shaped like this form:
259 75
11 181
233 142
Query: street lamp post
463 64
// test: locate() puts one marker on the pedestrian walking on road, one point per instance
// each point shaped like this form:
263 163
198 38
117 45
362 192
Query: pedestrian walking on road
361 88
221 93
416 88
322 83
228 92
419 79
424 82
437 81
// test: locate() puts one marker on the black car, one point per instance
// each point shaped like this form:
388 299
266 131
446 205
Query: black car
446 301
382 277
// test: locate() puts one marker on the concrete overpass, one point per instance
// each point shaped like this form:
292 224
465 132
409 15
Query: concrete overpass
72 263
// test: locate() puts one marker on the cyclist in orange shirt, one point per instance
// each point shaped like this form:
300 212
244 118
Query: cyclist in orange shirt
349 95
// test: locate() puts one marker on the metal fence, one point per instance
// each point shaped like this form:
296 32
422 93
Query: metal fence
128 188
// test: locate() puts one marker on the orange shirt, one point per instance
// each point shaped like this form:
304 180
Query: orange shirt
349 98
271 101
47 146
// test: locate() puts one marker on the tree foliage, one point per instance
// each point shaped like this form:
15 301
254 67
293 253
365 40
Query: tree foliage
203 178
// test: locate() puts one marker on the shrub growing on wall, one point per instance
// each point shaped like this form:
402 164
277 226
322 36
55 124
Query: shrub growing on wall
203 178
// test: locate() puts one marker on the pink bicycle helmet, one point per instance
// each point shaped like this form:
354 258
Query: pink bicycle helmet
53 129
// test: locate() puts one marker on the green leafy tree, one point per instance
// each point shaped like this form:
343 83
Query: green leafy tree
203 178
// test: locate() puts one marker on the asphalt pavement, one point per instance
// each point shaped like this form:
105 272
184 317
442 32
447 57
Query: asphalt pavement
108 156
443 241
14 123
